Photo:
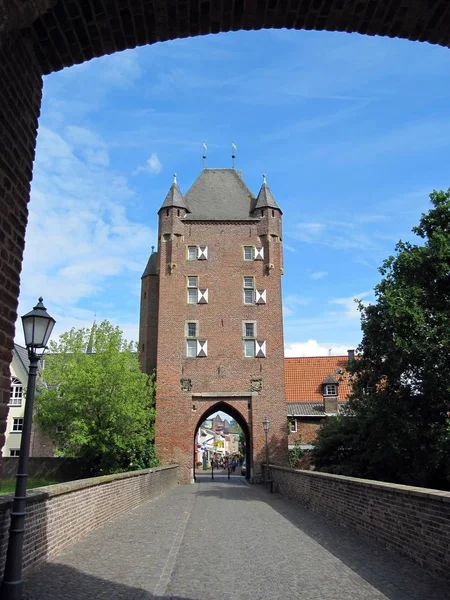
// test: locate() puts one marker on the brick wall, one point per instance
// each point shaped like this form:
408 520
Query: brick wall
59 515
20 100
306 431
50 469
72 31
412 521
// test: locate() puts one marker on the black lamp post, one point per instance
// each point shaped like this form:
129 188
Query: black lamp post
266 425
37 327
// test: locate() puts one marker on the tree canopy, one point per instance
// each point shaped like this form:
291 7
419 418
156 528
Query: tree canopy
397 425
97 406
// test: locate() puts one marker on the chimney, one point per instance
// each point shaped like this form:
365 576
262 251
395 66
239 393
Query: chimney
330 405
351 355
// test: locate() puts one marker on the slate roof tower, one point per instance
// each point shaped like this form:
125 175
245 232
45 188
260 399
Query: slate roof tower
211 316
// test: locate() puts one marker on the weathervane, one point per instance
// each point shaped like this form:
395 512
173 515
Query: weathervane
233 154
205 148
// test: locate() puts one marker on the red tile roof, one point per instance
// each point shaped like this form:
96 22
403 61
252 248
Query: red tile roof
303 377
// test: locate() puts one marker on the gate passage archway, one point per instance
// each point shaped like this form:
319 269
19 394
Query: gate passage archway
240 420
39 37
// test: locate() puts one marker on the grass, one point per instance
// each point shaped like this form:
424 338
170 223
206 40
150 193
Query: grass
7 486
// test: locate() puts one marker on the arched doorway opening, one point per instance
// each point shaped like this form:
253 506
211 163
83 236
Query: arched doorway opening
242 426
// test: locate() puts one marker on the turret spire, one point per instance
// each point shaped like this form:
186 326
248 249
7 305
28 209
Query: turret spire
174 197
265 198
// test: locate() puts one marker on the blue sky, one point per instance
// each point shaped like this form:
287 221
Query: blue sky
353 133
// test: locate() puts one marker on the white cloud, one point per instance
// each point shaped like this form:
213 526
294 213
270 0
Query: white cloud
318 275
79 235
309 232
291 302
358 232
152 165
314 348
350 304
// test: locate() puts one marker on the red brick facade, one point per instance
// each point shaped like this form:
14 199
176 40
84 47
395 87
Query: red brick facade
224 375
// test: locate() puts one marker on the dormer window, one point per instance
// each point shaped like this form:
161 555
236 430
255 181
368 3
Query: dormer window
330 386
330 389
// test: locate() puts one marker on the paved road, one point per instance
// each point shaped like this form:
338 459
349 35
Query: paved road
224 539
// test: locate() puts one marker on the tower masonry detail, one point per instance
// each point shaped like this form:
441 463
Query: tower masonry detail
211 317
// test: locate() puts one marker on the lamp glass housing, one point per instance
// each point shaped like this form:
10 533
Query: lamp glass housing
266 424
37 326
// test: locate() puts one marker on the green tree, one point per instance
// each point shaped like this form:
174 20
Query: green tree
98 406
398 423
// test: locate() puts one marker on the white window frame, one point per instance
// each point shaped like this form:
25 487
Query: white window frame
252 252
191 348
246 288
192 286
292 425
249 343
16 424
187 334
15 392
15 452
328 387
257 252
197 253
193 250
244 329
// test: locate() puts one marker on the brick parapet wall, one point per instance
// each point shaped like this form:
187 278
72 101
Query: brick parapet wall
49 469
412 521
59 515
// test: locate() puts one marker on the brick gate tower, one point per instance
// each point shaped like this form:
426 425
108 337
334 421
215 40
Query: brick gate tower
211 316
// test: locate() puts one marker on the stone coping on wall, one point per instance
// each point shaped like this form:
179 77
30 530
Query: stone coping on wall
438 495
58 489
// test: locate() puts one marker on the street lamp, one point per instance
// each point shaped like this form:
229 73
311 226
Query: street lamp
266 426
37 327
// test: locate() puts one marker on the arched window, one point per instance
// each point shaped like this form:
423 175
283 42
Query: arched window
16 392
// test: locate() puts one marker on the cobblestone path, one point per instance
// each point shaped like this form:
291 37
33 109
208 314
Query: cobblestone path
224 539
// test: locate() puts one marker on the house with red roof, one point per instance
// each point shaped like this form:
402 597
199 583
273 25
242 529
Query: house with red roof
316 388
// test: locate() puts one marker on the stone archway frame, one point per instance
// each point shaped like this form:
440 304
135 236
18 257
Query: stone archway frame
222 405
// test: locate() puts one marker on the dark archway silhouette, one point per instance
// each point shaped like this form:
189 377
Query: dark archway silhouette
44 36
240 420
67 32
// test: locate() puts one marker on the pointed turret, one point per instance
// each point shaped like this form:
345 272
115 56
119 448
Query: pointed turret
174 198
152 265
265 198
